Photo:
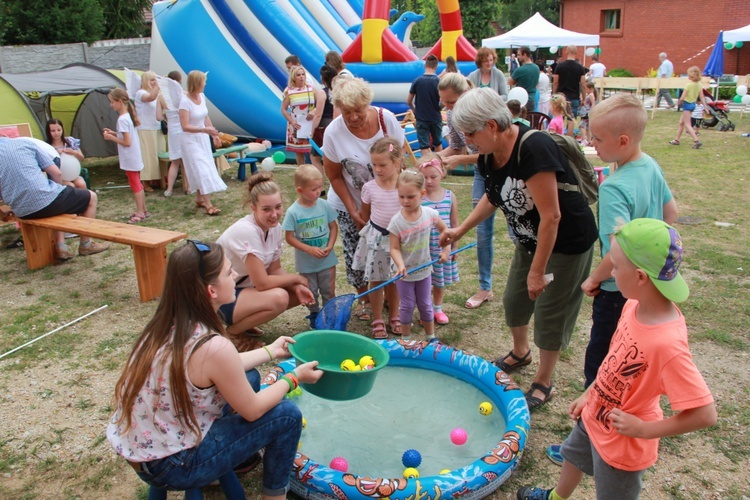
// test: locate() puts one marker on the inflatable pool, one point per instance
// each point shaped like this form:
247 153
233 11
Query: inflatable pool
475 480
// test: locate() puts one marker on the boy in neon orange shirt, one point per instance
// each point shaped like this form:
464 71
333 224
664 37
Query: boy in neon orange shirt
617 435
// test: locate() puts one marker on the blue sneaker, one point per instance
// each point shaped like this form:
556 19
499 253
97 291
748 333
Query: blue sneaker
554 454
531 493
312 317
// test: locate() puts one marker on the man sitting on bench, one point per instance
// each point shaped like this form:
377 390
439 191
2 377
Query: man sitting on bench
32 195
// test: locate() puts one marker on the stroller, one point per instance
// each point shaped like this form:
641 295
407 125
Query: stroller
716 114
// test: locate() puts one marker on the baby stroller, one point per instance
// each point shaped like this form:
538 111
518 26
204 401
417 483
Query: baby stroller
716 114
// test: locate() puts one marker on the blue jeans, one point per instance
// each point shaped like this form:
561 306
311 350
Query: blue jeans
230 441
574 105
485 230
605 315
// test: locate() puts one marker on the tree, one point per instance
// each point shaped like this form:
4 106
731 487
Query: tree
124 18
476 17
50 21
514 12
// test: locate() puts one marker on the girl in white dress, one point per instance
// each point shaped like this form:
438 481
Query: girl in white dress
150 109
196 148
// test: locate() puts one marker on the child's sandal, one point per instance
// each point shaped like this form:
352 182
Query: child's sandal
378 330
674 142
363 311
136 219
395 324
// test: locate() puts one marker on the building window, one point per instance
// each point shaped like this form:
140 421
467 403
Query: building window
611 20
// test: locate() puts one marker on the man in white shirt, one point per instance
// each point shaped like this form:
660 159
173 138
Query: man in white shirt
597 69
666 69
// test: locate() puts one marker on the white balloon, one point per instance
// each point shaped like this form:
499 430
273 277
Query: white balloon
553 49
533 48
519 94
590 51
746 100
70 167
741 89
268 164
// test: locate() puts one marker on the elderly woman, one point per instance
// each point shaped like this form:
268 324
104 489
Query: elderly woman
554 229
450 88
486 74
346 144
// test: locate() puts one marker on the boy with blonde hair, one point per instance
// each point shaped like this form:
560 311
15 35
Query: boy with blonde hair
311 229
619 419
635 189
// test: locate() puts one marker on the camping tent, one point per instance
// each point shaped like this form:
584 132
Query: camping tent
75 94
536 30
738 35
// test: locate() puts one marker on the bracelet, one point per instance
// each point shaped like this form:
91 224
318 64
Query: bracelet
294 378
269 353
291 384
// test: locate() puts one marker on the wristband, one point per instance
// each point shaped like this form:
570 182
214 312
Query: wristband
294 379
291 384
269 353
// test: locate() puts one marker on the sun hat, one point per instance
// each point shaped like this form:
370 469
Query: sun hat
655 247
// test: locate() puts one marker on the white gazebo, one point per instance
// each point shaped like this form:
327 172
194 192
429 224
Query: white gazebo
738 35
539 32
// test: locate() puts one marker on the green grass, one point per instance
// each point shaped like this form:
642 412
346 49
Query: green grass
74 371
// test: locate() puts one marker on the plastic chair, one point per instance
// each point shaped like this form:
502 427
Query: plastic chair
538 120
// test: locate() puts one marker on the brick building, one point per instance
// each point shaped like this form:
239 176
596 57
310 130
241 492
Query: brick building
633 32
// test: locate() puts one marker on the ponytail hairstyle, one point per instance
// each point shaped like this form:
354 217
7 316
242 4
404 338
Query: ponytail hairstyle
121 95
260 184
184 305
592 85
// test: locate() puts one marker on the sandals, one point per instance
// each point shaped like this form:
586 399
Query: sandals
136 219
378 330
363 311
534 402
474 301
697 145
674 142
395 324
212 210
504 366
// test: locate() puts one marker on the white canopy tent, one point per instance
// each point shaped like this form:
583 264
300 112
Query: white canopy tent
538 31
738 35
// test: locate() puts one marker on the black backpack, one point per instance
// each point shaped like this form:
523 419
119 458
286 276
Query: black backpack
588 183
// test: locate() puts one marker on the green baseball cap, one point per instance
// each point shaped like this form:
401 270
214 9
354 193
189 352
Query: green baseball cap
655 247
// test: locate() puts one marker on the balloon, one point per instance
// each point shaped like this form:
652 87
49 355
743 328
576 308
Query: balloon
746 100
589 51
738 45
597 51
279 157
268 164
70 167
741 89
519 94
737 98
533 48
553 49
729 45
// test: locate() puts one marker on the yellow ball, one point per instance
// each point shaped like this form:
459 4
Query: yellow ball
366 360
411 473
347 365
485 408
356 368
445 471
304 423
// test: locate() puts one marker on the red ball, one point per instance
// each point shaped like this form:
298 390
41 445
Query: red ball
340 464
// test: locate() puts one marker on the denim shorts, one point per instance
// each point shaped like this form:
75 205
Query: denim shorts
688 106
427 130
226 311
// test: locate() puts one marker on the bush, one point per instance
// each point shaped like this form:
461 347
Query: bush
620 73
727 93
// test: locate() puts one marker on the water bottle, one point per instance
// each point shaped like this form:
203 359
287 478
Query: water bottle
745 135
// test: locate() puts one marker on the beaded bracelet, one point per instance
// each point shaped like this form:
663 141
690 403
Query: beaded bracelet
269 353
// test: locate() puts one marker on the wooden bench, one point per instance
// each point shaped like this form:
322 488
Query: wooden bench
149 245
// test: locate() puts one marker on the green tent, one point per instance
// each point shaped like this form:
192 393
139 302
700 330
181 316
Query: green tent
75 95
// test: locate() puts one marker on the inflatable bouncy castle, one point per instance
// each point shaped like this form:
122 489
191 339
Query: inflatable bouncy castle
242 45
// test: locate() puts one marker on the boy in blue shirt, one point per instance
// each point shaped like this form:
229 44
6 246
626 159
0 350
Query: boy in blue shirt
636 189
310 227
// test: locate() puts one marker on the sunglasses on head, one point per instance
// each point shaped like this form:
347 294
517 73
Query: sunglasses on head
202 248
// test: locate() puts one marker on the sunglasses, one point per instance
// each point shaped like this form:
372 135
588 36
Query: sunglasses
202 248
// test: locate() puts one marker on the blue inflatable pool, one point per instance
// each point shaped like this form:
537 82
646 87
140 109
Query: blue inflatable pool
476 480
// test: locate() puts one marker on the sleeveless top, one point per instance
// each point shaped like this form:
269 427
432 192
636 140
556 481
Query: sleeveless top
328 107
155 431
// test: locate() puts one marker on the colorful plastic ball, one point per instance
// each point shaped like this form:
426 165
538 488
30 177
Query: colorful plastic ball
741 89
347 365
411 473
267 164
485 408
445 471
279 157
304 423
411 458
357 368
366 360
459 436
340 464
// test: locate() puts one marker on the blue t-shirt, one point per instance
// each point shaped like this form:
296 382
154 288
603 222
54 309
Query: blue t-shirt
426 98
23 184
310 226
635 190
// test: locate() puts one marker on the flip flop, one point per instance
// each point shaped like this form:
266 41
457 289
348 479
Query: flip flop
474 302
504 366
534 402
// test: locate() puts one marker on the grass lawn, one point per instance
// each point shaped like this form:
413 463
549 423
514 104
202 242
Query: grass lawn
56 395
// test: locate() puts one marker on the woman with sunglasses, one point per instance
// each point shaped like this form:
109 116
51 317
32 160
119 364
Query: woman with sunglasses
527 176
253 245
189 406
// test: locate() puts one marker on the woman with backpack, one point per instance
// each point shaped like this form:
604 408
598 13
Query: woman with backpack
536 188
